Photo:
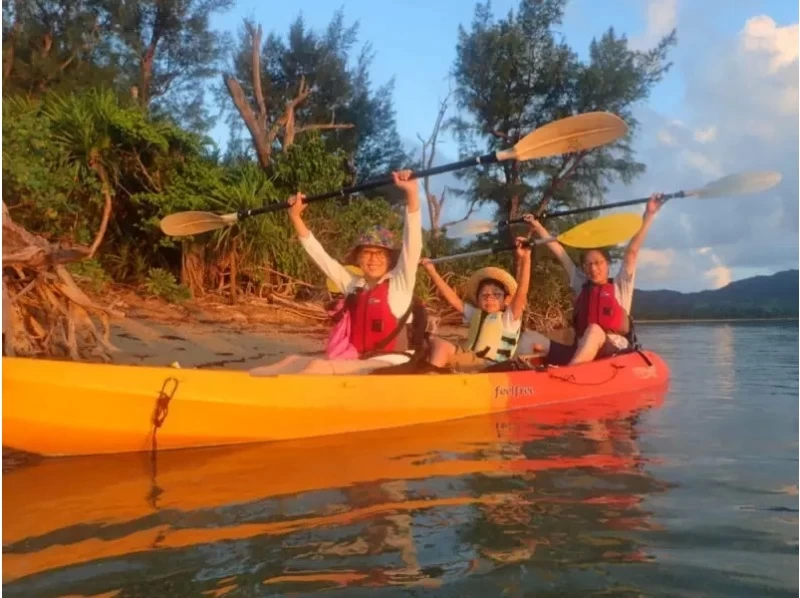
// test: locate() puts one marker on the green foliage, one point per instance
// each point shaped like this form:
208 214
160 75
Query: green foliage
72 121
162 283
514 75
342 92
91 273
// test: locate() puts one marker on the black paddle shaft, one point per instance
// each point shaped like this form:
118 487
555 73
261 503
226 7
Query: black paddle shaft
618 204
373 184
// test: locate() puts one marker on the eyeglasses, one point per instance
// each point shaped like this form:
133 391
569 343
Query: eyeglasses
373 254
492 294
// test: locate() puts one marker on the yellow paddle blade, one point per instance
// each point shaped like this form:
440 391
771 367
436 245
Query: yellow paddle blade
184 224
602 232
355 270
568 135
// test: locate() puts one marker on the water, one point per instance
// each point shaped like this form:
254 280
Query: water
689 494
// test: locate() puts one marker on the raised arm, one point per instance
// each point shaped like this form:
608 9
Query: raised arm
447 292
632 251
405 272
556 247
523 277
329 266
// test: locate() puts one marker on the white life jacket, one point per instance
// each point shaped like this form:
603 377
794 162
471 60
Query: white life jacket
486 331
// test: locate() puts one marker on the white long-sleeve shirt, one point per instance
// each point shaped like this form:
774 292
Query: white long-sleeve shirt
402 277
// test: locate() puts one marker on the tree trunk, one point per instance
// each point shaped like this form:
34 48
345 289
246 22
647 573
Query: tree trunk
257 133
232 270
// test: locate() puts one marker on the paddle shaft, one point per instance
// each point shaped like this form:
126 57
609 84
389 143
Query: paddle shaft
607 206
491 251
373 184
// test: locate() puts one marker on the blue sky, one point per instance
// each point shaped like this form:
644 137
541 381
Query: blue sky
415 42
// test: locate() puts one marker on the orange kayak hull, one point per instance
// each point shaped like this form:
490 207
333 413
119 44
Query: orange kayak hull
60 408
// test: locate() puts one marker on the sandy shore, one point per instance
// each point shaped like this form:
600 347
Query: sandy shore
213 334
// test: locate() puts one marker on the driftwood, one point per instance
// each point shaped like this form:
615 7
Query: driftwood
44 312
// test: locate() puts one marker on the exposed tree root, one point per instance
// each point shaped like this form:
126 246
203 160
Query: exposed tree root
45 314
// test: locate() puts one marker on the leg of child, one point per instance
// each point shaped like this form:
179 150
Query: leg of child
441 352
292 364
343 366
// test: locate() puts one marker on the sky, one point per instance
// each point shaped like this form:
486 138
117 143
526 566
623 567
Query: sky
728 104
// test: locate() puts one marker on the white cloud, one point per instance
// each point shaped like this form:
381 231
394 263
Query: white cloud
705 135
738 112
662 258
719 276
660 20
761 34
665 137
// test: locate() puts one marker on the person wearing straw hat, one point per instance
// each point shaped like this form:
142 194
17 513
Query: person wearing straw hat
379 301
495 302
601 316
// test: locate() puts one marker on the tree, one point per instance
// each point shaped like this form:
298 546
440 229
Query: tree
52 45
514 75
165 51
284 88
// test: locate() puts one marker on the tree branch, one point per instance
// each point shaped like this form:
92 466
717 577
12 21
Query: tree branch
255 35
98 167
257 133
556 182
434 205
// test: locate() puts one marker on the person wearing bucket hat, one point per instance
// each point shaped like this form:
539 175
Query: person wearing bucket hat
601 315
379 302
492 309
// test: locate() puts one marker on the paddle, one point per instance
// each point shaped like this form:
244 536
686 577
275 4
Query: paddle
571 134
600 232
735 184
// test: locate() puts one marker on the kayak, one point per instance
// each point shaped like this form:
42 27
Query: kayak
64 408
44 503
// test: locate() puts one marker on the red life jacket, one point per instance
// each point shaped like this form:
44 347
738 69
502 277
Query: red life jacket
372 320
597 304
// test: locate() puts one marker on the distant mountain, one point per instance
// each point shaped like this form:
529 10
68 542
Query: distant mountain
771 296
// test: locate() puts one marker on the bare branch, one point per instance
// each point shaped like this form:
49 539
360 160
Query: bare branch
287 120
428 156
558 179
106 185
473 205
255 35
499 135
257 133
146 173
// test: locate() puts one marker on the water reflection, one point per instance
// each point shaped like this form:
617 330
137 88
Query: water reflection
555 491
725 359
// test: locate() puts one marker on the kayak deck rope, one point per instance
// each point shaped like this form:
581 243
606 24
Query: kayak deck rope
168 389
572 380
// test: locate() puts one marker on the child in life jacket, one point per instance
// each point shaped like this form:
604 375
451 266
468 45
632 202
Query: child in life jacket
378 303
493 309
601 314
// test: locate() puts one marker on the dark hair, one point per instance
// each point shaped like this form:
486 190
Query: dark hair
601 251
492 281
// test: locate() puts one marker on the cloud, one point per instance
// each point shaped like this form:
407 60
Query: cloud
705 135
739 112
661 17
761 34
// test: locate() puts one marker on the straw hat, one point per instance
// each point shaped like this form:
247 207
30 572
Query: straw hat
496 274
376 236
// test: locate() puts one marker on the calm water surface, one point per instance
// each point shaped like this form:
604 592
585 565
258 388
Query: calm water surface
692 493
